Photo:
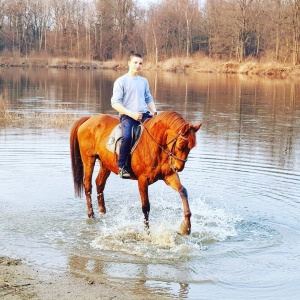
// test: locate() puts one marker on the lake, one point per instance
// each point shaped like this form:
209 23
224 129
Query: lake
243 180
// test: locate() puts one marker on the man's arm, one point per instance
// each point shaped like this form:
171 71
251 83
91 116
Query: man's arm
122 110
152 108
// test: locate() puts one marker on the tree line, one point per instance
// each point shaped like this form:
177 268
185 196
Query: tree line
110 29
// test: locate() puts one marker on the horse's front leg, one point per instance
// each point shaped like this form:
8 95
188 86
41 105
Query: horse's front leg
87 183
100 183
143 189
174 182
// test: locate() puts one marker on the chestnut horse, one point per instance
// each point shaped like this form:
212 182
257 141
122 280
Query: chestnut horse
160 154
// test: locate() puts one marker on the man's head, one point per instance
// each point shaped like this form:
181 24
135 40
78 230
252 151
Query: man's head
135 64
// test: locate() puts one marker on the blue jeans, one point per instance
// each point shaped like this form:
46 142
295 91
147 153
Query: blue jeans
126 127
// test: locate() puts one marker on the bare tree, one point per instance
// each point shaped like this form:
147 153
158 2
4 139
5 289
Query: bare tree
123 12
294 13
105 29
189 9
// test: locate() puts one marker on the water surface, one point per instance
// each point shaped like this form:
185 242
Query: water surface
243 180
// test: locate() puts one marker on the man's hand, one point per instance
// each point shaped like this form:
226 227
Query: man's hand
132 114
136 115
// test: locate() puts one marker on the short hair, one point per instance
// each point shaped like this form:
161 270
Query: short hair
132 55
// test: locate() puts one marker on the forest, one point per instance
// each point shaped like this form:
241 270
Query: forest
102 30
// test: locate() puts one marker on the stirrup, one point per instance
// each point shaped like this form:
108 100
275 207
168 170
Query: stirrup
123 173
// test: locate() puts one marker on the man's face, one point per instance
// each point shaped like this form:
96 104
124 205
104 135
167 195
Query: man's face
135 65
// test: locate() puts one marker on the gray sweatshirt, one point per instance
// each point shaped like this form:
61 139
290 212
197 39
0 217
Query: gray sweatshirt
132 92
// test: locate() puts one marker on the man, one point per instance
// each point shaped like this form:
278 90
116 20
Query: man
134 102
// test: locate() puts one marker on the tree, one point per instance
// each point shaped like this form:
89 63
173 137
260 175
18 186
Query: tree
294 17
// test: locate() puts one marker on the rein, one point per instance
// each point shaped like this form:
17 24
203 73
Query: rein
163 147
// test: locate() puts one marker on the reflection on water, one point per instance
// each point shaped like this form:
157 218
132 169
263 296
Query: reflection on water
243 182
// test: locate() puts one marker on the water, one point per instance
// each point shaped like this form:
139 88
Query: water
243 182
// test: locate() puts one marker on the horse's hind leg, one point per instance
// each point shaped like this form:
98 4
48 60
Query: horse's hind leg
88 165
100 183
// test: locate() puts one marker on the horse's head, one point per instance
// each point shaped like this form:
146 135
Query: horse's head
180 144
174 136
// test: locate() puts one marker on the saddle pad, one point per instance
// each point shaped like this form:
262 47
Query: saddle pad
113 142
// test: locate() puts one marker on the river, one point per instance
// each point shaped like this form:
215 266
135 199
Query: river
243 180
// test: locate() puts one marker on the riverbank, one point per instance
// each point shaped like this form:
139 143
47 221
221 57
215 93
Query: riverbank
177 64
21 281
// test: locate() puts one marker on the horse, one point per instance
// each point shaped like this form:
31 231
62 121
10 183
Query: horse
161 154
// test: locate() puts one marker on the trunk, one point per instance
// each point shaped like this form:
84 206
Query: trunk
188 41
155 45
257 45
295 47
277 43
77 35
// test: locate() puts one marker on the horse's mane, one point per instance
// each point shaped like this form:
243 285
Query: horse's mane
168 119
171 120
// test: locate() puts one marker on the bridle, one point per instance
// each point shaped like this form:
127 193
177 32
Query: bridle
164 147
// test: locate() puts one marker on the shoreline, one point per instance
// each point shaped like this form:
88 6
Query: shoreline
178 64
19 280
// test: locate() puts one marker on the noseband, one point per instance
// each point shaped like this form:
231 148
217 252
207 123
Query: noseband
170 154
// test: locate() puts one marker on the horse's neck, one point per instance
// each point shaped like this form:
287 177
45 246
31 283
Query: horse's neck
159 132
164 123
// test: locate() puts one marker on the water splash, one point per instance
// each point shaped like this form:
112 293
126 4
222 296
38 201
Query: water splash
123 234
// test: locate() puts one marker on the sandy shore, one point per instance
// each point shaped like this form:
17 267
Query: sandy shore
21 281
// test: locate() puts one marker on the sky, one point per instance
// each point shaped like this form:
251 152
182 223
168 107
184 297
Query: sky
145 3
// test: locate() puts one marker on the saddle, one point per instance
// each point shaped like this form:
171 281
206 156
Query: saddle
113 142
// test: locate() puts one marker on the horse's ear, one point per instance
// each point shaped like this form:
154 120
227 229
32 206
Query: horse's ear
185 129
197 127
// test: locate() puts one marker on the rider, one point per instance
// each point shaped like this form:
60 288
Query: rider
134 102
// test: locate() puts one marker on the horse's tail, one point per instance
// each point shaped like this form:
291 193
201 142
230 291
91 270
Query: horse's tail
77 165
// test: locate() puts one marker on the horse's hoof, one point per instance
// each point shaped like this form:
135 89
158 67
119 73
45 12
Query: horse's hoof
102 211
147 230
184 229
91 215
146 227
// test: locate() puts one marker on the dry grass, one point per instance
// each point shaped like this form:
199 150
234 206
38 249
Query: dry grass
51 120
5 115
115 64
44 60
177 63
270 69
197 63
72 62
201 63
10 118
